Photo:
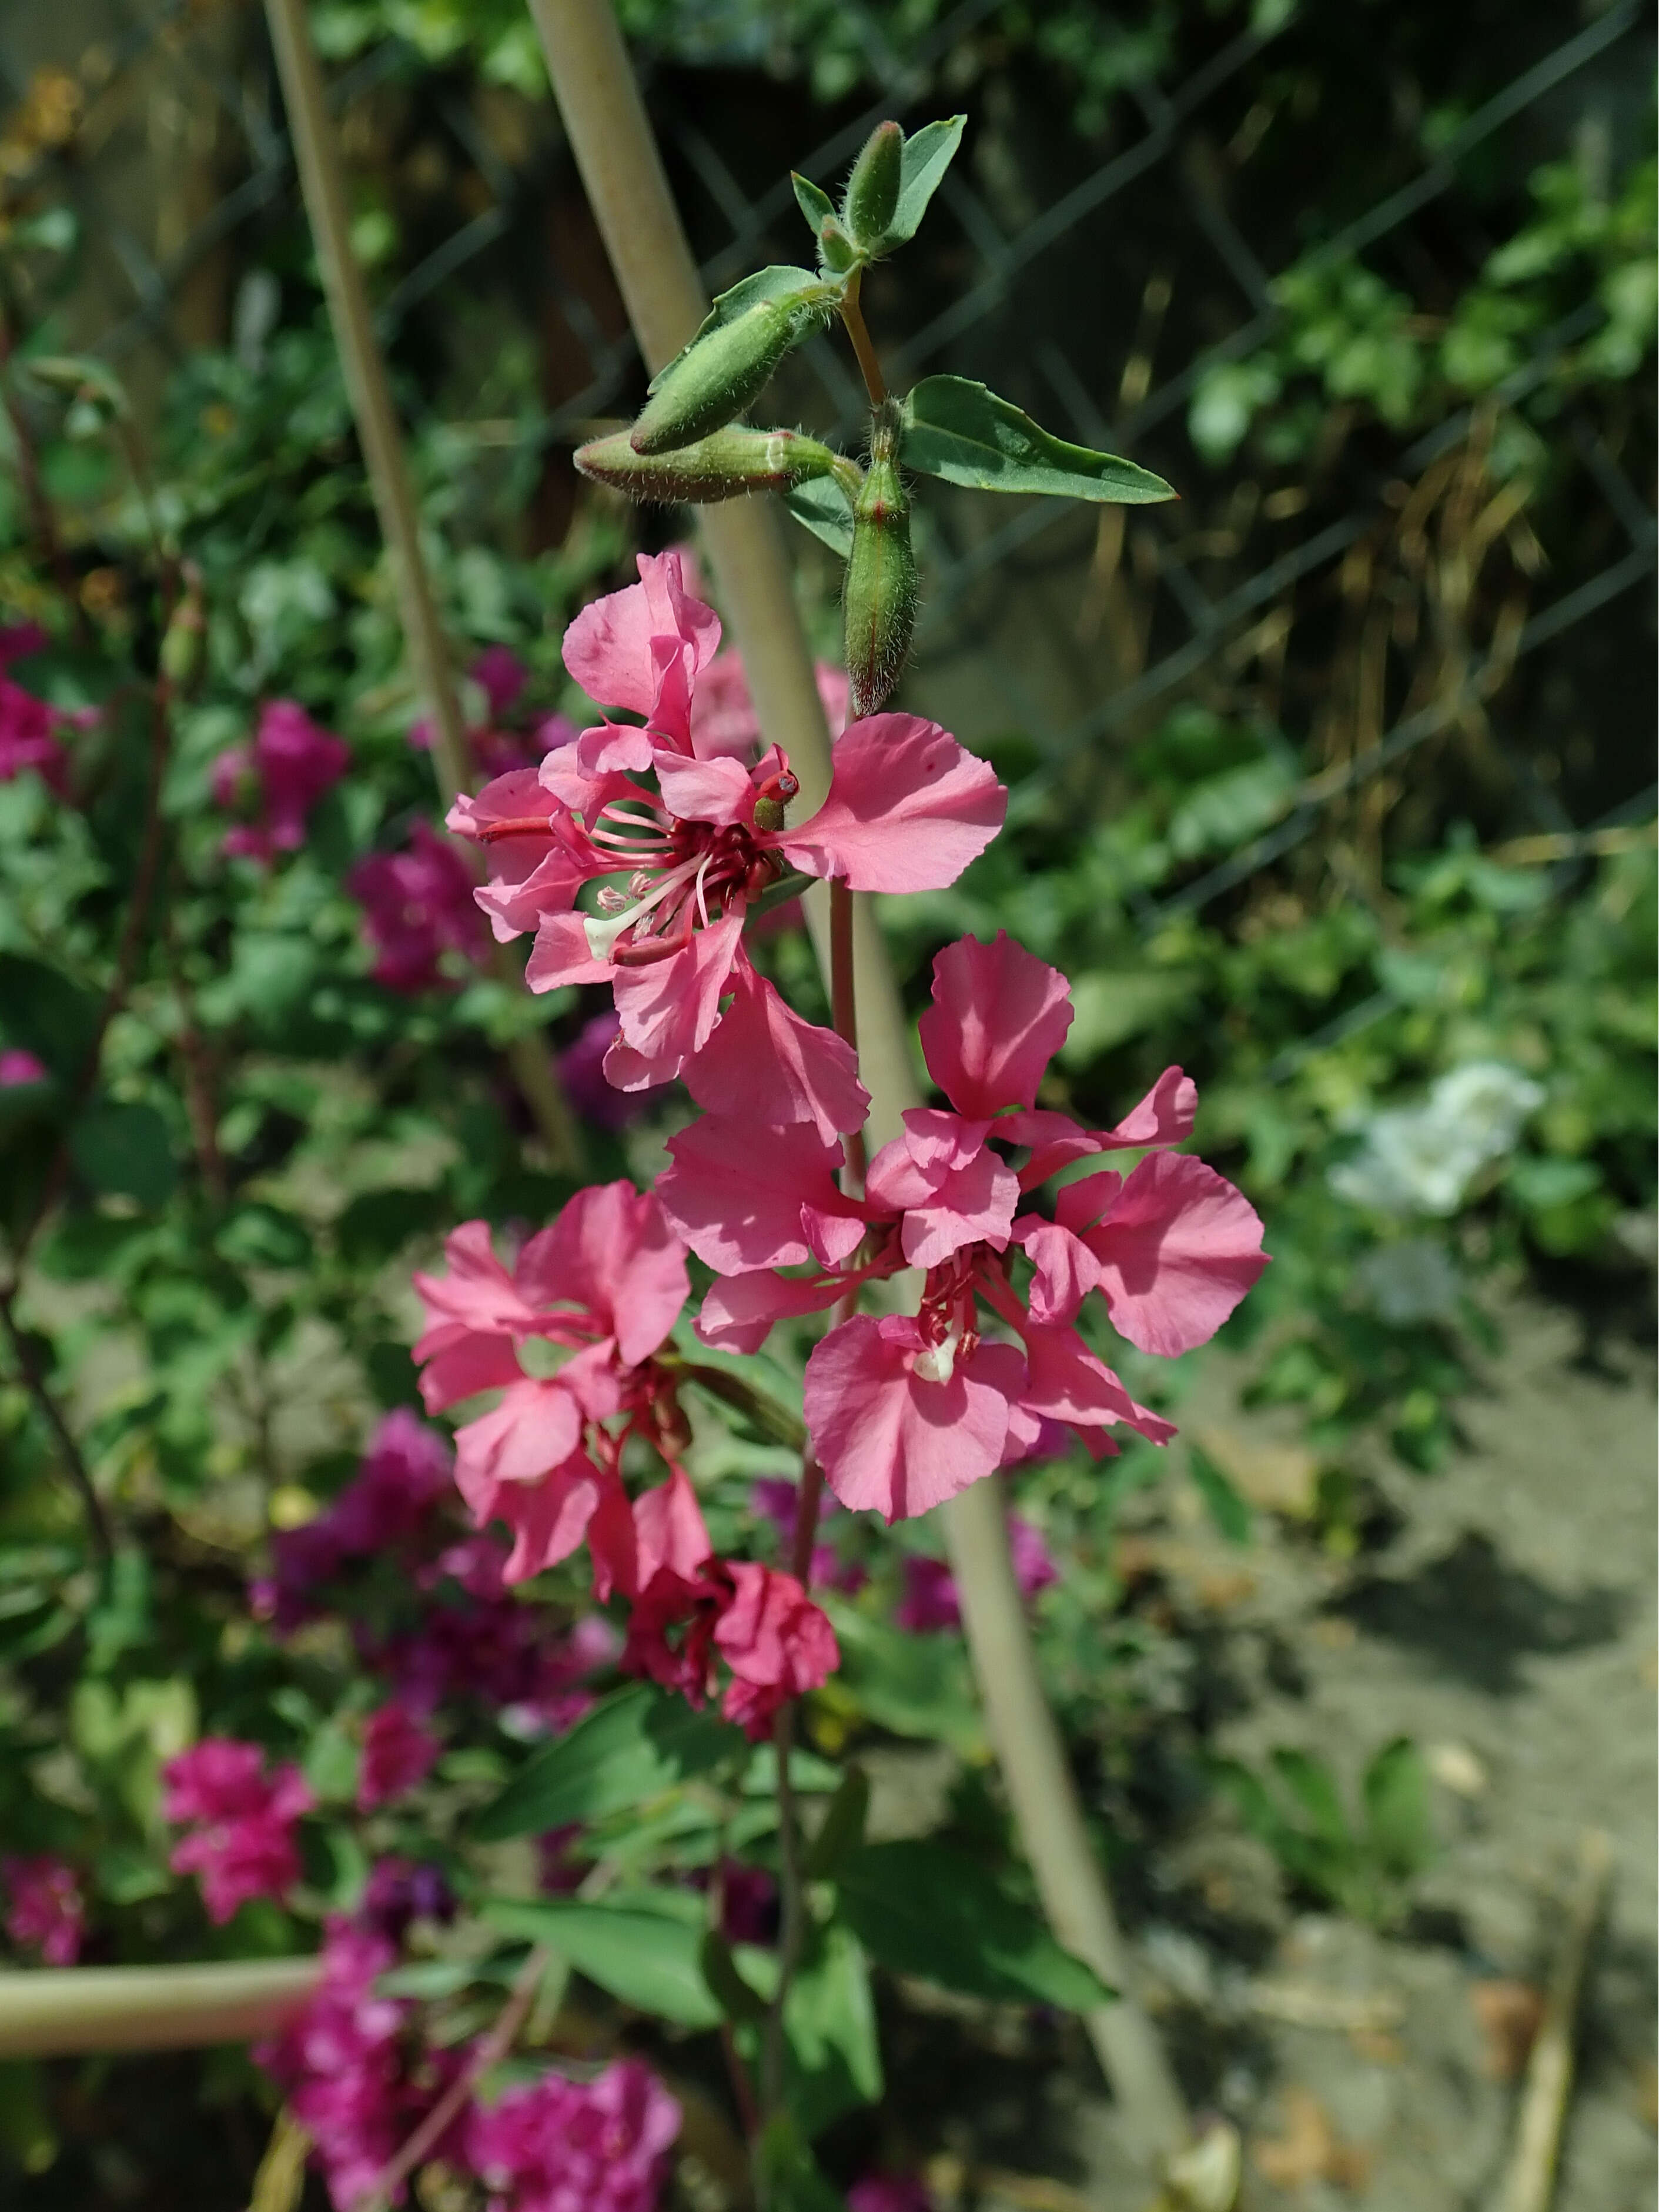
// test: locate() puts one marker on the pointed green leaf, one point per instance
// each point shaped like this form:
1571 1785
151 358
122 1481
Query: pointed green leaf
822 507
966 435
649 1959
1313 1785
1396 1794
789 2176
816 206
919 1909
637 1744
927 154
829 2029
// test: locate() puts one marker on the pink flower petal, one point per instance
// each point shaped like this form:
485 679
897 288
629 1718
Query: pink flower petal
737 1193
888 1441
997 1017
610 1254
1177 1247
462 1368
562 955
1066 1270
908 809
669 1526
669 1008
609 647
537 1426
719 791
765 1062
1165 1116
738 1313
1065 1383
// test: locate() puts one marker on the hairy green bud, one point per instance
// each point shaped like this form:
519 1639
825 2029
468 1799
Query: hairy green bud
723 465
752 328
836 250
873 190
879 596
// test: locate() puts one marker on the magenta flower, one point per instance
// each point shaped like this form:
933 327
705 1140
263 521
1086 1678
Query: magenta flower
907 1410
604 1283
405 1475
777 1644
45 1911
889 2192
399 1752
907 810
19 1068
346 2065
28 727
417 905
277 779
558 2145
241 1844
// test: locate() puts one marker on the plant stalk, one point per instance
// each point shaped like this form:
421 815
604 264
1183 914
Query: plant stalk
54 2011
623 173
322 181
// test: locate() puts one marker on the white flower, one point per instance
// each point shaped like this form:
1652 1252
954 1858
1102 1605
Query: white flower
1422 1159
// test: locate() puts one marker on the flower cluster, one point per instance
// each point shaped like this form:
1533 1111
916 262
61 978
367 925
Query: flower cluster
242 1818
417 905
45 1911
907 1410
776 1643
501 733
678 862
274 782
356 2079
557 2143
31 731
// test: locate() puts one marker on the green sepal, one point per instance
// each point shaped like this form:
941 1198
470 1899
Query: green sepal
959 431
815 204
878 594
871 198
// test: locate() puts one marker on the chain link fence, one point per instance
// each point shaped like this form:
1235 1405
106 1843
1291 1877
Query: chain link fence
1391 606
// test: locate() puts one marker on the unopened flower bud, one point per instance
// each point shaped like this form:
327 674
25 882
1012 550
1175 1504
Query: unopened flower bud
836 250
873 190
720 372
879 597
723 465
184 641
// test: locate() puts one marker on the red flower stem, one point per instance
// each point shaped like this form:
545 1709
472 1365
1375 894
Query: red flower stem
851 316
486 2052
844 1013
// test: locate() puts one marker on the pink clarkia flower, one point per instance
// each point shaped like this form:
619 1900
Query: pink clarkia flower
777 1644
605 1282
399 1752
907 810
18 1066
906 1411
350 2073
557 2145
405 1475
45 1911
417 905
241 1842
277 779
930 1600
29 728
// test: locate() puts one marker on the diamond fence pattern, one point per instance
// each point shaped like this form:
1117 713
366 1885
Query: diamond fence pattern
167 139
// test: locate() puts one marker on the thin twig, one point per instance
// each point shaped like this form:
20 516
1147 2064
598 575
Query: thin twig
1530 2182
50 1411
488 2052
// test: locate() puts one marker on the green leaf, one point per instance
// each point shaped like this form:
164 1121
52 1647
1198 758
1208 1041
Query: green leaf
959 431
1227 1509
43 1011
816 206
822 507
841 1829
636 1745
1312 1784
260 1236
928 153
788 2175
648 1959
125 1150
916 1686
736 2000
830 2027
919 1909
1395 1790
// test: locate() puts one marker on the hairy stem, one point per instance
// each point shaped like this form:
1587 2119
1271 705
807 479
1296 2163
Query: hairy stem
851 316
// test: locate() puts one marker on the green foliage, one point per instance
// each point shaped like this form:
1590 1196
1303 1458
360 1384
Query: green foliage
1364 1863
957 430
628 1751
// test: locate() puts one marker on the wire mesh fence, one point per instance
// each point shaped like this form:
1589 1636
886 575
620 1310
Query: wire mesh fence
1382 603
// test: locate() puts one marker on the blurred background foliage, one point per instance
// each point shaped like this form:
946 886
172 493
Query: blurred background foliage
1333 783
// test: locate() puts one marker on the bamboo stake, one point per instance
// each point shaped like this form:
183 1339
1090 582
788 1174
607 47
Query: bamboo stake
622 171
51 2011
322 182
1531 2183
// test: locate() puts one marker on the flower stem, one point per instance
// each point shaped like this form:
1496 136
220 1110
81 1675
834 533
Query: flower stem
844 1013
51 1413
851 315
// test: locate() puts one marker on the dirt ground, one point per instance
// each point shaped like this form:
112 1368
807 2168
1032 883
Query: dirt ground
1508 1627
